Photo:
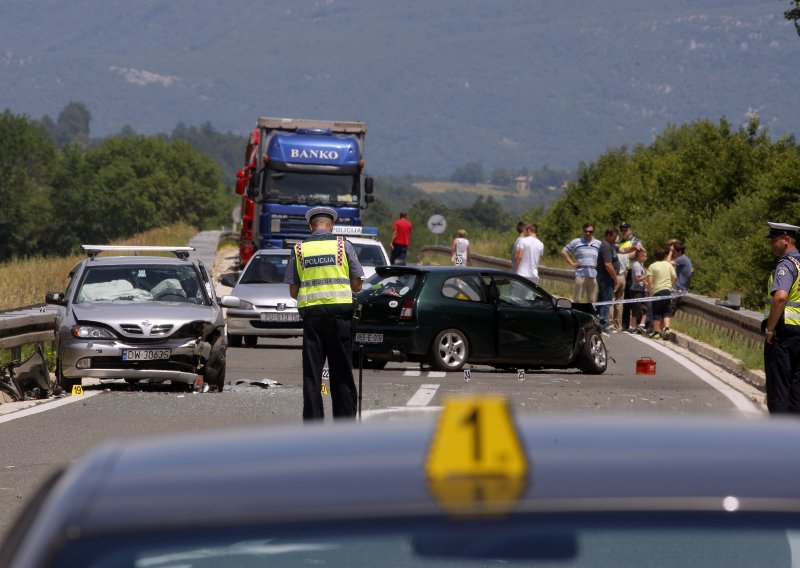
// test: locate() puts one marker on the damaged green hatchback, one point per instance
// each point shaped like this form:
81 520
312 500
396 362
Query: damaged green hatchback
448 316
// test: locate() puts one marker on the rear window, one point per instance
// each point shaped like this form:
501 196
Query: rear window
397 285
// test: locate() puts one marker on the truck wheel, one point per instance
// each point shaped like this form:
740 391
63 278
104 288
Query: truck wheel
593 357
449 350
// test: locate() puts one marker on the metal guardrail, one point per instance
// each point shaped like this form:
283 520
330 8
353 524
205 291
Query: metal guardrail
741 324
32 324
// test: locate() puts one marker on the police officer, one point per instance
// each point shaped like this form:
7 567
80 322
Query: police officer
781 323
324 274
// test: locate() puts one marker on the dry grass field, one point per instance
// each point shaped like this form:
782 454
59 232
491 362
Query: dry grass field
25 282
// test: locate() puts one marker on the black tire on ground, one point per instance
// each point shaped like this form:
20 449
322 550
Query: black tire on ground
66 383
214 372
251 340
593 357
449 350
234 340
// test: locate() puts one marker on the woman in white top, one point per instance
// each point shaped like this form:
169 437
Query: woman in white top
460 249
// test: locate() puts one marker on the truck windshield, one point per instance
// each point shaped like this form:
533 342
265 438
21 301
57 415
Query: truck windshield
311 188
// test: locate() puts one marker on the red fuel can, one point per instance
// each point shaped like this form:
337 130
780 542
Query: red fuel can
645 366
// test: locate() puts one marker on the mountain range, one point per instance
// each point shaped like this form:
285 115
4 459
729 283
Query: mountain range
511 83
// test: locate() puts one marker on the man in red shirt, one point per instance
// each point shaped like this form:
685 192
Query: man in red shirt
401 239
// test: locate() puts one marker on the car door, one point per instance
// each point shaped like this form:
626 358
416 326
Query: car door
529 328
463 303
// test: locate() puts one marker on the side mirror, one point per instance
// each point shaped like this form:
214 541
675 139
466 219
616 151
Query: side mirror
56 298
369 198
369 187
563 304
230 302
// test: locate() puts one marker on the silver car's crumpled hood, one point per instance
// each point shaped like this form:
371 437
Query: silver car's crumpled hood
145 315
265 295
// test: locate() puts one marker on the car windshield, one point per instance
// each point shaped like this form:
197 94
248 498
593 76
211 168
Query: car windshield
265 269
311 189
369 254
141 283
390 284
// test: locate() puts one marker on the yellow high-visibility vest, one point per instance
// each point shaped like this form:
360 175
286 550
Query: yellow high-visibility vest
324 273
791 314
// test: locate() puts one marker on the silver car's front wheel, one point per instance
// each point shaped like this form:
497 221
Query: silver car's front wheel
449 350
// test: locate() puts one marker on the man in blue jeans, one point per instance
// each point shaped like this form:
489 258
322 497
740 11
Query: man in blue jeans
607 275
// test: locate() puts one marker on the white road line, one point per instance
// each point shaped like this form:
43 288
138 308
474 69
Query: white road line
46 406
738 399
430 374
423 396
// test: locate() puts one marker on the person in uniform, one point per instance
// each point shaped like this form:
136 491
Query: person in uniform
323 274
781 325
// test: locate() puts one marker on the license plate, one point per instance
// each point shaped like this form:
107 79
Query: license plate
369 338
144 354
280 317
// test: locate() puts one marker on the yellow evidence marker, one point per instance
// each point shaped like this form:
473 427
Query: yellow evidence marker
476 462
77 390
324 388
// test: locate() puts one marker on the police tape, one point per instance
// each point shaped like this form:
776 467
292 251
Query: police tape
640 300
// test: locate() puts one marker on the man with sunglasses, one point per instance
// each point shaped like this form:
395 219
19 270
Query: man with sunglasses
585 250
781 323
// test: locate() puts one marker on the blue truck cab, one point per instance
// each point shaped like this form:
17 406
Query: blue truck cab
305 164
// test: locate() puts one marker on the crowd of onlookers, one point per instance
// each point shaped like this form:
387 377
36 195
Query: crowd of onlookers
612 272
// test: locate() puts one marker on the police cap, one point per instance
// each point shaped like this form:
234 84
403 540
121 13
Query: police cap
781 229
321 212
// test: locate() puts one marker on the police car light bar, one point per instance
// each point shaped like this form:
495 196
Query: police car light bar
94 250
351 230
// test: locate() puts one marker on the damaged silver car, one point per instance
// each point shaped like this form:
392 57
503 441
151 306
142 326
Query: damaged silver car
140 318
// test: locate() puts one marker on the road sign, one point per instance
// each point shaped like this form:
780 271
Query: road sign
437 224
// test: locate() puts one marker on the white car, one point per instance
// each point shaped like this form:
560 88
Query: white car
260 305
370 253
264 307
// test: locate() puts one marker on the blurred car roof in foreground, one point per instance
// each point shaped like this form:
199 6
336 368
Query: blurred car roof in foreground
727 479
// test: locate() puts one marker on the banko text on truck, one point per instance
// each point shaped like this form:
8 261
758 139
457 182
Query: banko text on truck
292 165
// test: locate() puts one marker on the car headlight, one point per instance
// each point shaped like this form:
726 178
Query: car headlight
244 305
91 332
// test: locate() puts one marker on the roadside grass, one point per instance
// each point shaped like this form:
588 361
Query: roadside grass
750 356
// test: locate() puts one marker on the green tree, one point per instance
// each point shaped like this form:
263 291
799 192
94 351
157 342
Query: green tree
73 125
793 15
131 184
711 185
25 174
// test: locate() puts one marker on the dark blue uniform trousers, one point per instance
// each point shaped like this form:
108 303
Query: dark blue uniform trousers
782 370
328 336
